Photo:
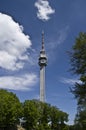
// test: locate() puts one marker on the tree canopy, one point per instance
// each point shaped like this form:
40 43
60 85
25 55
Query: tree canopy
40 116
35 115
78 66
78 55
10 109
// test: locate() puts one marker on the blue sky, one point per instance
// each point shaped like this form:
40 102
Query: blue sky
21 24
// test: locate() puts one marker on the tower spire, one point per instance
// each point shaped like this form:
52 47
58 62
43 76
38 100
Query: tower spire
42 40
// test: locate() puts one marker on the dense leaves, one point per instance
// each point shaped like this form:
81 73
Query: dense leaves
78 64
80 94
78 55
40 116
10 109
33 114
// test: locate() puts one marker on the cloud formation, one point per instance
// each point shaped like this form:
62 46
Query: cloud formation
62 34
13 44
44 10
58 39
70 81
22 83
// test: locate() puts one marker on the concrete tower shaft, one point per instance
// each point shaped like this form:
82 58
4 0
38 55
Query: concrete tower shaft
42 64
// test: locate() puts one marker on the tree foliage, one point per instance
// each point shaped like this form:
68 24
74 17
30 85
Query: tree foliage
78 66
78 55
40 116
35 115
10 109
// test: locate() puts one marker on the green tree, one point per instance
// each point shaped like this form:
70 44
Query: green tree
78 63
54 117
58 118
78 55
36 115
43 116
31 114
10 109
78 66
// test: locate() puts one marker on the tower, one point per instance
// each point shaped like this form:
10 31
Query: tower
42 64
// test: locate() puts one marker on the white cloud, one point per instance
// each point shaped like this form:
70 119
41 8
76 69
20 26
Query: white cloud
59 38
22 83
62 34
70 81
44 10
13 44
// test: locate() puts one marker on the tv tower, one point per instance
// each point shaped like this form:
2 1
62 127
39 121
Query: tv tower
42 64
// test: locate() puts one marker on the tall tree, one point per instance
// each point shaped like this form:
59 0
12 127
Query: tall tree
78 55
78 66
10 109
43 116
31 114
58 118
